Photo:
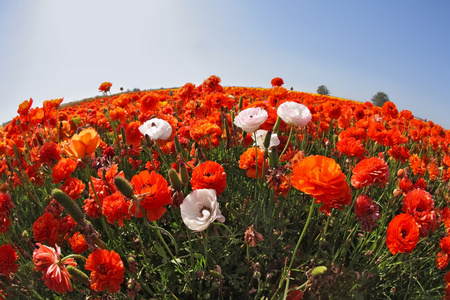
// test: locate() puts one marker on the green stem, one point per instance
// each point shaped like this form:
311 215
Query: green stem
287 143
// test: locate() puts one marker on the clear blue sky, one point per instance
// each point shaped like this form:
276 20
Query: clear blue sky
54 49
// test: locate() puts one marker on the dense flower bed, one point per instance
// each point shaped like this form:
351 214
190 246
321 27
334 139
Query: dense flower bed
223 192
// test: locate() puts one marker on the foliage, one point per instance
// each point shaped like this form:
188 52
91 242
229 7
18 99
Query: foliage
379 99
323 90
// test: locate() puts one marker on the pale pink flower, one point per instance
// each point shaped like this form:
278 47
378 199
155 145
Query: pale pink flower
293 113
156 129
251 118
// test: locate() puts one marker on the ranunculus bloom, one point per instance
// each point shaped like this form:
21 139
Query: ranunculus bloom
56 276
419 204
351 147
366 212
63 168
251 118
443 257
45 229
105 87
78 243
321 177
200 208
116 208
6 207
73 187
83 144
24 107
106 270
277 81
370 171
155 192
8 257
209 175
251 159
261 136
156 129
293 113
402 234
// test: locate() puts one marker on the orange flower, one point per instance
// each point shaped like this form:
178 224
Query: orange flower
83 144
54 103
56 276
370 171
132 134
150 102
77 243
45 229
107 270
321 177
24 107
209 175
402 234
63 169
400 153
419 204
49 153
250 159
8 257
211 85
105 87
418 166
157 193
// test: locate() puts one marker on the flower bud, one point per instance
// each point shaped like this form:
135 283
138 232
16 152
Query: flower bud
318 270
184 173
70 206
175 180
124 187
78 275
178 147
124 138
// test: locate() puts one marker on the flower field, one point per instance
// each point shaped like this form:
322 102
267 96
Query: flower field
211 192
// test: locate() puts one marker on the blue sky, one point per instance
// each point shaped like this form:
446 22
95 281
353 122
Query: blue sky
66 49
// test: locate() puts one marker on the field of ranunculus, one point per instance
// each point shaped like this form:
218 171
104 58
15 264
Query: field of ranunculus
211 192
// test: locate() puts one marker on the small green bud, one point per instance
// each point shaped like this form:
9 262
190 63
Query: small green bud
175 180
124 187
70 206
267 140
273 158
318 270
241 102
178 147
124 138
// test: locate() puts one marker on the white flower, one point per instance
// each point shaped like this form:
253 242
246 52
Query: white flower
261 136
200 208
293 113
251 118
156 129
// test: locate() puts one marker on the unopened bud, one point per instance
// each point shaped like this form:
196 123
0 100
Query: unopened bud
124 187
78 275
273 158
184 173
318 270
178 147
70 206
175 180
124 138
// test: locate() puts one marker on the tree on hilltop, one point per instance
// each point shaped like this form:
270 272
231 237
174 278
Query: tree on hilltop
379 99
322 90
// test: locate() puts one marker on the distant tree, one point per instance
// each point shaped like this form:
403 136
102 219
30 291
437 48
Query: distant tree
322 90
379 99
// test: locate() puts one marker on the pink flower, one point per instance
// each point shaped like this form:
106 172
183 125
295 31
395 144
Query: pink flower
56 276
251 118
293 113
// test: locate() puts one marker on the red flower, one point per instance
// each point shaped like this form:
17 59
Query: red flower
351 147
45 229
73 187
63 169
105 87
6 206
24 107
77 243
8 257
211 85
132 134
150 102
366 212
277 81
209 175
155 192
321 177
370 171
419 204
49 153
56 276
107 270
443 257
116 208
402 234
